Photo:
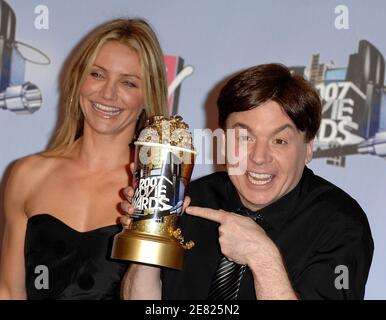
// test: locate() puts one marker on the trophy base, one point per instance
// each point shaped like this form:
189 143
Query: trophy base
146 248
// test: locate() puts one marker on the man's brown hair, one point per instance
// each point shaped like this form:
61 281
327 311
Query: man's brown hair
272 82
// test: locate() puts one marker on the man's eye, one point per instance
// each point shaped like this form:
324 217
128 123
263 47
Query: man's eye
280 141
245 138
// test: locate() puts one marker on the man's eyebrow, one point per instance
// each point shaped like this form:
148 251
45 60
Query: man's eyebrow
241 125
283 127
123 74
275 131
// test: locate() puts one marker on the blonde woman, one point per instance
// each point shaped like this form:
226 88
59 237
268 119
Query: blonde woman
61 205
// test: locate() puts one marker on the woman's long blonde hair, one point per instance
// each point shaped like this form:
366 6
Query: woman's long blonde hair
137 34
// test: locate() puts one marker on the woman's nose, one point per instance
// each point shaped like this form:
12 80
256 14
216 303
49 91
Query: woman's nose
108 90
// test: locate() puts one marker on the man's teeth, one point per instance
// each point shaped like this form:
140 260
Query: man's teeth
106 109
259 178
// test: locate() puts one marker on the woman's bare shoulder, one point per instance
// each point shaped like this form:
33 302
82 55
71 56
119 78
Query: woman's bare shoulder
27 171
33 164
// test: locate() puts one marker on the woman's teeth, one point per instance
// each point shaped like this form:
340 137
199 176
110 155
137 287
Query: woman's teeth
259 178
110 111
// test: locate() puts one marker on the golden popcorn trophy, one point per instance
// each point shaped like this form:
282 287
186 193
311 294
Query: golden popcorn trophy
164 160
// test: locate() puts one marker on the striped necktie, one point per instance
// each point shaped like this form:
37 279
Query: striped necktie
226 281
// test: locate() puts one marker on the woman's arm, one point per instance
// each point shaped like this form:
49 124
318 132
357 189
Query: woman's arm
12 269
141 282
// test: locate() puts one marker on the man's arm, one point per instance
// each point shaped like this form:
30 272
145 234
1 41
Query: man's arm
270 277
243 241
339 263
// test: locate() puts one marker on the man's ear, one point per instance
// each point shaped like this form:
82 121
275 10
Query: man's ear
309 151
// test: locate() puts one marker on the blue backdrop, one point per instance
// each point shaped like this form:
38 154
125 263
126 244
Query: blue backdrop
218 38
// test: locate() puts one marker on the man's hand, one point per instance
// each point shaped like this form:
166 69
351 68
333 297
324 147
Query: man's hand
241 238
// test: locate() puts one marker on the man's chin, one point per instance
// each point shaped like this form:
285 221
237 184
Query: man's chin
254 204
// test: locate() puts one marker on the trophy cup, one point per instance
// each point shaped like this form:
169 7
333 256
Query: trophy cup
164 160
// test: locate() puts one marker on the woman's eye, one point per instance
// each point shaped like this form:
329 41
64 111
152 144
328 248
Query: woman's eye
96 75
129 84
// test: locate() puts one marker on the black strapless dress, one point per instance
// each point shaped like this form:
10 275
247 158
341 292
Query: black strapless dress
78 264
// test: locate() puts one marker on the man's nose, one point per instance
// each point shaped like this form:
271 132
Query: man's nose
261 153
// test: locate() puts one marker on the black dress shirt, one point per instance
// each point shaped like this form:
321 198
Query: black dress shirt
317 227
